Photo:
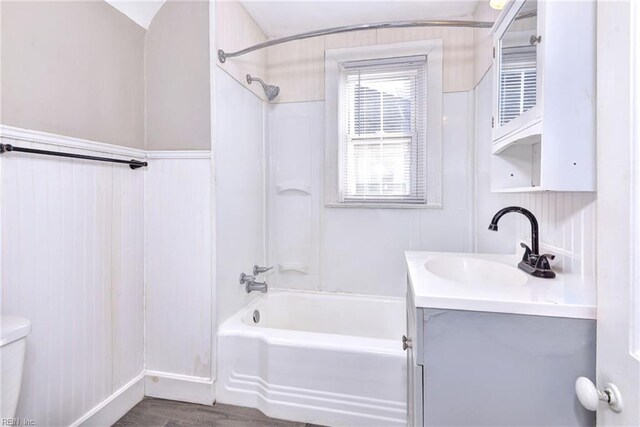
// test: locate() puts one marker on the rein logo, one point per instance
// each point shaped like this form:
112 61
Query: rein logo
17 422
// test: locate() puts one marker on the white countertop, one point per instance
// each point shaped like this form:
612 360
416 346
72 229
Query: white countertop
568 295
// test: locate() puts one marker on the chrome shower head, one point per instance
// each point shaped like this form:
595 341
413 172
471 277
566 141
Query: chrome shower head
270 91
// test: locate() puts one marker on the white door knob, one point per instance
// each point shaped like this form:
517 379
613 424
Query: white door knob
587 393
590 397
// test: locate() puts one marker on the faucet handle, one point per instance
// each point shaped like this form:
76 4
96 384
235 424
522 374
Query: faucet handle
542 267
527 253
542 262
246 278
257 269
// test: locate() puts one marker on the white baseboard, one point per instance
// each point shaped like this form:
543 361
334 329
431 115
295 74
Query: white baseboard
184 388
115 406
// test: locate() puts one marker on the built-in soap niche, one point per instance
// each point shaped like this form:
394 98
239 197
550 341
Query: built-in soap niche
302 187
293 222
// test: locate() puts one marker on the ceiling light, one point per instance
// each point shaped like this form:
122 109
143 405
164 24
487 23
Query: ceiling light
497 4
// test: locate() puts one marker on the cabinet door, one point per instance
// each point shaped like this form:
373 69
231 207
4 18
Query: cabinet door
414 368
414 398
516 66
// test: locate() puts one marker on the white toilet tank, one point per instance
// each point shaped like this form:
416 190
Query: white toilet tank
13 339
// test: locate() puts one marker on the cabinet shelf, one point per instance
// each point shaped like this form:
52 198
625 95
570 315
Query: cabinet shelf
528 135
520 190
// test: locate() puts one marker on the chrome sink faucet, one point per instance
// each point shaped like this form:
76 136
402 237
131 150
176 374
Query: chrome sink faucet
250 280
532 262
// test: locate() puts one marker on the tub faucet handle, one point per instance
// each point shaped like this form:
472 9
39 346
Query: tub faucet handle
245 278
258 270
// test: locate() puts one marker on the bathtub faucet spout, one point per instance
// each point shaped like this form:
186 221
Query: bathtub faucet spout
257 286
252 284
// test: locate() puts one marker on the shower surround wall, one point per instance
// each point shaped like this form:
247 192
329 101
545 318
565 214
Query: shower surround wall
239 158
356 250
239 171
353 249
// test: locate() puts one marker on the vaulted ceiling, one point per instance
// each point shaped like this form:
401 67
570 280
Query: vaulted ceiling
285 17
141 12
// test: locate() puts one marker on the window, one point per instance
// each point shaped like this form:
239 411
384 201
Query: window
383 118
383 114
517 82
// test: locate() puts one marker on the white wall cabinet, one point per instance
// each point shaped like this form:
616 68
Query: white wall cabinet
544 111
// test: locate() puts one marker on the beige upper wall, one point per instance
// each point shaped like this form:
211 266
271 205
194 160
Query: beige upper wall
77 68
298 67
235 30
72 68
482 41
178 111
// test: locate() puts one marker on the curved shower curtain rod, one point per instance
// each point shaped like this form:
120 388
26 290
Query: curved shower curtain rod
222 55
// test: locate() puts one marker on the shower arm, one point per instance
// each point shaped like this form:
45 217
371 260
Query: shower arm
222 55
250 79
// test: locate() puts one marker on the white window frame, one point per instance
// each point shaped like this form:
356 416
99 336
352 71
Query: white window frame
333 58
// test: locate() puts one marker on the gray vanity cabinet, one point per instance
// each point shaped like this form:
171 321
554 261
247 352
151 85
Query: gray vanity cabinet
488 369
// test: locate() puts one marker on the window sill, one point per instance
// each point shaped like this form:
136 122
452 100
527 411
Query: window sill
383 205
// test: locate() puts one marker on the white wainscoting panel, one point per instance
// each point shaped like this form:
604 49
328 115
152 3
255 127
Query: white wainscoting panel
567 229
567 221
178 286
127 292
73 265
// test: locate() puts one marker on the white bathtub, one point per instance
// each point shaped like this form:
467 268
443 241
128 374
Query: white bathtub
331 359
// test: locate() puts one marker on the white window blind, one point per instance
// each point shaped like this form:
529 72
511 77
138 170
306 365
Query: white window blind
517 82
383 122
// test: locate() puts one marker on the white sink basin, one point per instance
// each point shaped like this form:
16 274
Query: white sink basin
475 271
492 283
